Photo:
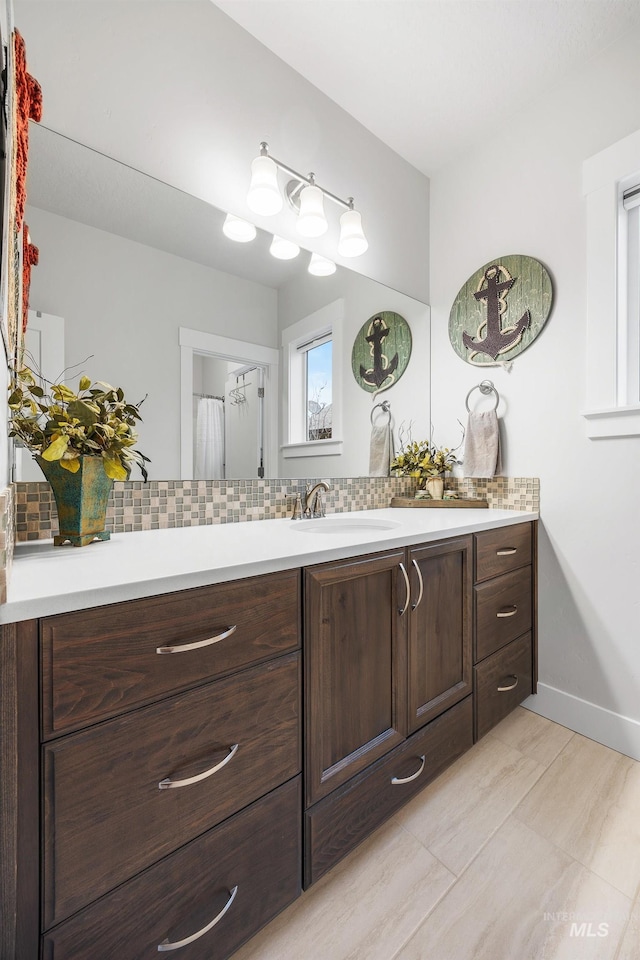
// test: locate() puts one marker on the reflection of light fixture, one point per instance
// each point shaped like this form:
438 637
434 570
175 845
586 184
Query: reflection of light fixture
307 198
283 249
239 230
320 266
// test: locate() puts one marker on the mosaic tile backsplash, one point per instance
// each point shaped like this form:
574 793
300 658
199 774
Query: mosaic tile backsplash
184 503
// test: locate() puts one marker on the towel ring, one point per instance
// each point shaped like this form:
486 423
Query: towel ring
386 408
485 387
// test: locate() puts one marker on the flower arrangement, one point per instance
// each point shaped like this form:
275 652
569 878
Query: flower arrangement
64 426
421 459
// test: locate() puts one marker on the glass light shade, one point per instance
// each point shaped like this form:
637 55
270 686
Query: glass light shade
283 249
264 196
237 229
311 220
320 266
352 240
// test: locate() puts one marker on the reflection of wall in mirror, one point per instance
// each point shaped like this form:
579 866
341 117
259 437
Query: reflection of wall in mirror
409 398
123 305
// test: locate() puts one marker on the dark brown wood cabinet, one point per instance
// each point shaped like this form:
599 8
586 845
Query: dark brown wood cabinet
505 622
355 667
440 628
388 650
166 787
171 771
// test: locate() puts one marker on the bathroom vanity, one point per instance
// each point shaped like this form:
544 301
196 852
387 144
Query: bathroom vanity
163 787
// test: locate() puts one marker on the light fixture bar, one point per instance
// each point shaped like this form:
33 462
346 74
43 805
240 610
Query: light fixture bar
310 180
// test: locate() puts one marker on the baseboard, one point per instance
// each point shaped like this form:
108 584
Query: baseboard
612 729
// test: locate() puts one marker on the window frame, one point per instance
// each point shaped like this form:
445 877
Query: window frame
321 324
611 332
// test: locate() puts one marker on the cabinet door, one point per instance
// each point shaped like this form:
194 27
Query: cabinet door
440 628
355 662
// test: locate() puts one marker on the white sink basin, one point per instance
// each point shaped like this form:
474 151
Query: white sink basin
333 525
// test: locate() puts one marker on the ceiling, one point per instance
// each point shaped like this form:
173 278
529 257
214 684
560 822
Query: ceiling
432 77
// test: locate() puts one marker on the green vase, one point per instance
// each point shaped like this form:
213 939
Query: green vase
81 499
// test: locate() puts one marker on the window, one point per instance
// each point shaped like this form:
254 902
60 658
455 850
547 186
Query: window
611 184
312 417
629 294
316 395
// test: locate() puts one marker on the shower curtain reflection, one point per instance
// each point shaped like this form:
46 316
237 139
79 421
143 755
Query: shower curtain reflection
209 439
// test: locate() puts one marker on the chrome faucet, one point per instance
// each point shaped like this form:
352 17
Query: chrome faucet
313 499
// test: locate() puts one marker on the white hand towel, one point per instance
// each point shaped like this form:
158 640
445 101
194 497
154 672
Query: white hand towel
482 445
381 450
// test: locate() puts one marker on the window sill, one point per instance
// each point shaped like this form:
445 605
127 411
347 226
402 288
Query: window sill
312 448
613 422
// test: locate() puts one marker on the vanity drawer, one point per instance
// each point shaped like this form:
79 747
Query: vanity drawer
339 822
98 663
502 682
257 851
501 550
503 611
106 818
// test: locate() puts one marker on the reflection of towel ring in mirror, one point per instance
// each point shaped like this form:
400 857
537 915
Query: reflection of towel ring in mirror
385 407
485 387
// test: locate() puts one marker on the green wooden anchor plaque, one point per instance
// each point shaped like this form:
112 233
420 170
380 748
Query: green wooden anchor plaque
381 351
500 310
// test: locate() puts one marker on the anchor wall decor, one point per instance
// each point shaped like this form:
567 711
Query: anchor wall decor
381 351
500 310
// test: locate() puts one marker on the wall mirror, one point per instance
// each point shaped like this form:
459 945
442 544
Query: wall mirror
128 262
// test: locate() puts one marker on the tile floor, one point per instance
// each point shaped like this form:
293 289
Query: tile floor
527 848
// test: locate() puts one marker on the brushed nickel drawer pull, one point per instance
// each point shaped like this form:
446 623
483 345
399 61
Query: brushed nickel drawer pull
507 552
183 647
165 945
421 582
508 612
168 783
510 686
414 776
408 586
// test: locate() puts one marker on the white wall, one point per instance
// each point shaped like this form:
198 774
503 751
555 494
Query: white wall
180 91
520 191
123 303
409 398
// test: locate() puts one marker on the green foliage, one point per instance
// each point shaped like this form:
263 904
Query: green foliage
421 459
64 426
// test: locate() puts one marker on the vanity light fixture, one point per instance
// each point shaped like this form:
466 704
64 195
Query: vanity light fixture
321 266
305 196
283 249
237 229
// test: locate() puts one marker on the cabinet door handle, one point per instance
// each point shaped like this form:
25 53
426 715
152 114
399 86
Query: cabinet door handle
510 686
165 945
507 612
403 610
506 552
421 582
183 647
169 784
414 776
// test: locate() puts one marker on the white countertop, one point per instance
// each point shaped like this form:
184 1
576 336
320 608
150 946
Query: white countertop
47 580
